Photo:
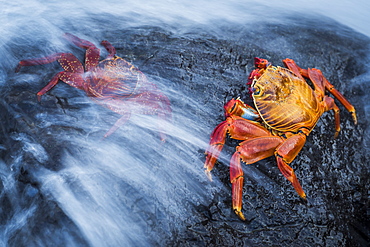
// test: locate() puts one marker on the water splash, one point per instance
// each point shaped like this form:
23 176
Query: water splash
131 189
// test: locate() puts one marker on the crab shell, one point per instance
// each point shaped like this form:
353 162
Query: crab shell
287 109
284 101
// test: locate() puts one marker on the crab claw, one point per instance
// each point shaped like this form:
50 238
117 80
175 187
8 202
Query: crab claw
261 63
236 107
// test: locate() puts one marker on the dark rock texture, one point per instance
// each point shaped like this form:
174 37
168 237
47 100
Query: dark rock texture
199 69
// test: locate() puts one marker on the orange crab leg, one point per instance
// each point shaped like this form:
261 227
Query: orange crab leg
249 151
317 79
349 107
320 81
238 128
321 84
285 154
332 106
298 71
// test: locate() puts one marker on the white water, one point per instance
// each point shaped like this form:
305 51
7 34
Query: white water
43 17
89 186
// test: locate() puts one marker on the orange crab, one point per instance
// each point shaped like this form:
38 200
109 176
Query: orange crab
113 82
287 109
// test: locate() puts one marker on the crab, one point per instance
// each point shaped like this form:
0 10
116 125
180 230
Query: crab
286 110
113 82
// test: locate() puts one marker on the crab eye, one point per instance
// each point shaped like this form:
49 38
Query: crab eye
257 91
233 107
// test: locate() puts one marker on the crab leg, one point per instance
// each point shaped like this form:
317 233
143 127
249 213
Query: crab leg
67 60
349 107
321 83
110 48
285 154
238 128
71 74
298 71
249 151
121 121
92 52
38 61
71 79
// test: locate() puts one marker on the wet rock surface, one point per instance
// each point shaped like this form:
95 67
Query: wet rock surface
200 70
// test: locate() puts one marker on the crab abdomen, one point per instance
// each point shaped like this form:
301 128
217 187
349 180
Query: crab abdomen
115 78
284 101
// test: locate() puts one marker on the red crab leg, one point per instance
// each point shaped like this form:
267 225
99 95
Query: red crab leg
239 129
71 79
110 48
285 154
92 52
67 60
71 74
37 61
250 151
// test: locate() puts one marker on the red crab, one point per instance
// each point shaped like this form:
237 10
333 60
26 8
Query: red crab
287 109
113 82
